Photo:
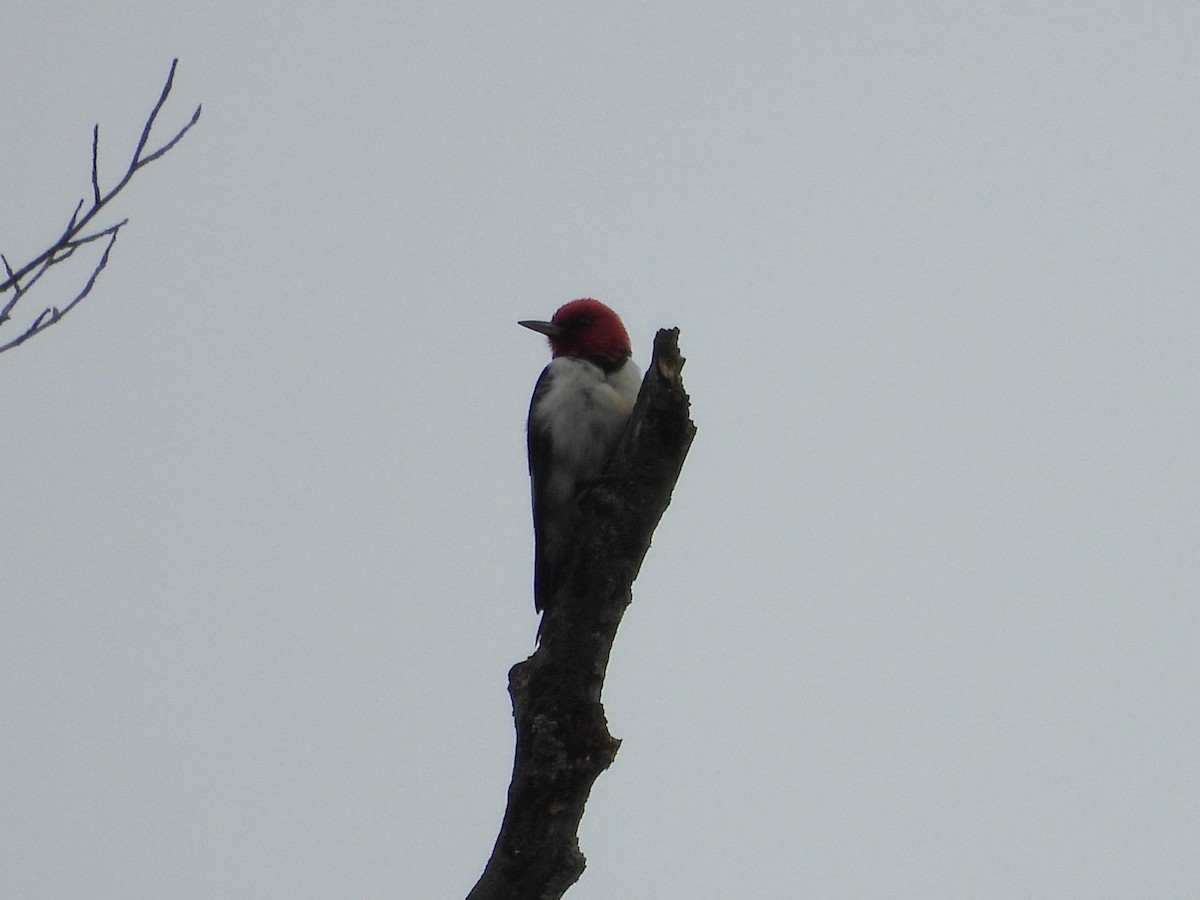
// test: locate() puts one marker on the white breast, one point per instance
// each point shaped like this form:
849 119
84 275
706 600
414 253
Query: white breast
584 411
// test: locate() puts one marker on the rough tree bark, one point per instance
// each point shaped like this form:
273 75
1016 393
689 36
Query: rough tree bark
21 280
562 742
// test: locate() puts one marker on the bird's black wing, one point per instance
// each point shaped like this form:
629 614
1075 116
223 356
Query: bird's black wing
540 454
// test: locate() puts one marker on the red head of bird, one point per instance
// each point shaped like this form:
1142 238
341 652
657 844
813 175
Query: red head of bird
586 328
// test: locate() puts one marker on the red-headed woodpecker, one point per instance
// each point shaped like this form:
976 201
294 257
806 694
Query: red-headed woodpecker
579 409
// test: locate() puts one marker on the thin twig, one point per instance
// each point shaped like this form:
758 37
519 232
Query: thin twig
17 291
172 142
74 216
95 166
162 98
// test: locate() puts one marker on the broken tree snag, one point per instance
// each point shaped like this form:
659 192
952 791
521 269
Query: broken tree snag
563 743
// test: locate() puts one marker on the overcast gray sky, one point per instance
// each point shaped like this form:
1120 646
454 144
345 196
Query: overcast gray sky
921 621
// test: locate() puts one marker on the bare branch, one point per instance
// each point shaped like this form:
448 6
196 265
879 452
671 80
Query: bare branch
17 291
87 288
35 276
172 142
162 98
52 315
20 280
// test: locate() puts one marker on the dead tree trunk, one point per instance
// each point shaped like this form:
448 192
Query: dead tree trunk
563 743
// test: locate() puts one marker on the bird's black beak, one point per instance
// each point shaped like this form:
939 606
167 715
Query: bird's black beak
547 328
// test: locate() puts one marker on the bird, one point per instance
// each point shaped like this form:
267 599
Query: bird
579 409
